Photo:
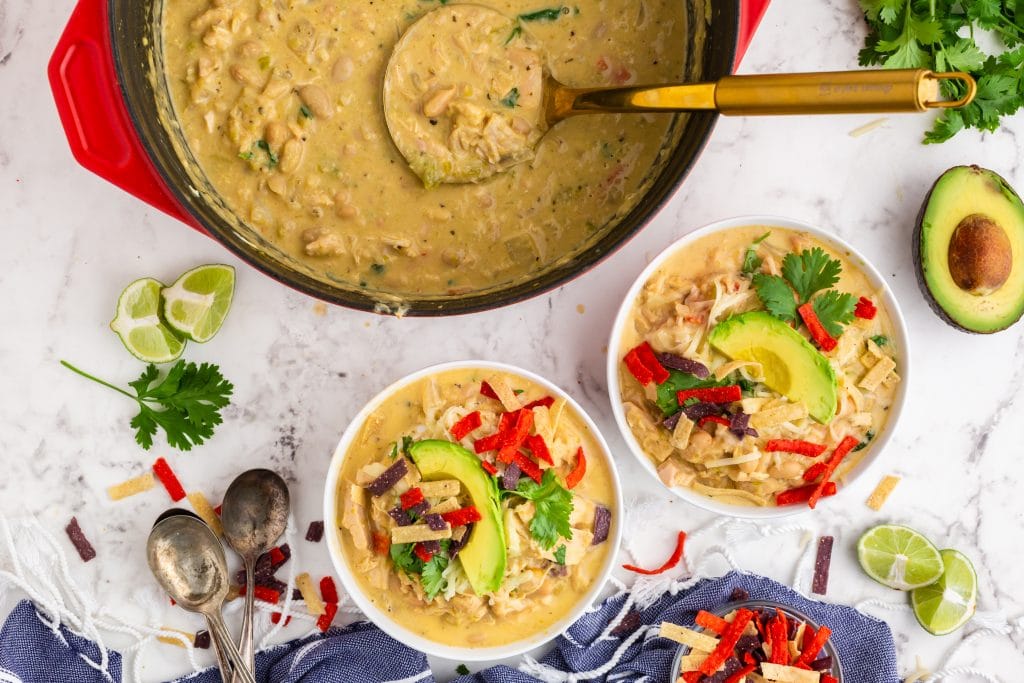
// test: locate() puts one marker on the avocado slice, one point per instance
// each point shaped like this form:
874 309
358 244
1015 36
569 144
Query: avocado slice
791 365
969 250
483 558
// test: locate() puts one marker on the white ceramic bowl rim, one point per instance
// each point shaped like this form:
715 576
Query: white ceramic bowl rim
899 325
396 630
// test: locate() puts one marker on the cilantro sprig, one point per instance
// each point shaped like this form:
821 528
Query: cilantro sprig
553 506
941 35
807 277
431 573
191 397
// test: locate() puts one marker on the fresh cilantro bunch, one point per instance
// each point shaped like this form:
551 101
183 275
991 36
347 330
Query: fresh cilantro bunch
940 35
804 275
191 397
552 504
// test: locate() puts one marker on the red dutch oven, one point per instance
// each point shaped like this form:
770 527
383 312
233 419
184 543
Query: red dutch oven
108 105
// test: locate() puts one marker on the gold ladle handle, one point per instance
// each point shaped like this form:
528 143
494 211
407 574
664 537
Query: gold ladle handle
840 92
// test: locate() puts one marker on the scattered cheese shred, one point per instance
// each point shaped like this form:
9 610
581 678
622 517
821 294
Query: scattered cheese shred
203 508
737 460
882 492
310 594
171 640
132 486
868 127
687 636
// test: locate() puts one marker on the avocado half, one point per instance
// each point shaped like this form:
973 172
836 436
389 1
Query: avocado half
969 250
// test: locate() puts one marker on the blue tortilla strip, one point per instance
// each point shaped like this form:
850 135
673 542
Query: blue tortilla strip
674 362
602 524
391 476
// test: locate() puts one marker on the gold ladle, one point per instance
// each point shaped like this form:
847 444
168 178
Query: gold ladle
467 94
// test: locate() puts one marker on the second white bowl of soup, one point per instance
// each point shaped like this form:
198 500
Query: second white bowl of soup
476 511
757 366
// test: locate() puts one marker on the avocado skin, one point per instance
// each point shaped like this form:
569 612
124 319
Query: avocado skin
921 267
438 458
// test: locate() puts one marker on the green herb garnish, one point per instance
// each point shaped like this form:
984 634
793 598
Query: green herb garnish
560 555
549 14
941 35
880 339
864 444
191 397
260 146
304 110
431 578
552 504
462 670
516 32
678 381
804 276
511 100
751 261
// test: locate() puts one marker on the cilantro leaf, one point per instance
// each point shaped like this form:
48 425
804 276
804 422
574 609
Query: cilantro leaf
189 397
810 271
880 339
462 670
776 295
405 559
834 309
676 382
560 554
431 578
552 507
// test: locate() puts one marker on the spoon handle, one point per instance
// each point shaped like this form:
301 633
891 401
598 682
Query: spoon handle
219 633
839 92
245 648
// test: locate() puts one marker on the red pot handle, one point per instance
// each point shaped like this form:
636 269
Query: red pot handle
93 112
751 13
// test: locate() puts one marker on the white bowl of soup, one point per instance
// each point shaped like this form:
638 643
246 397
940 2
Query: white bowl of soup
758 366
476 510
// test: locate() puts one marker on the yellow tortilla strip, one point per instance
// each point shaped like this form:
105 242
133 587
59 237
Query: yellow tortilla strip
687 636
776 416
203 508
417 533
442 488
789 674
132 486
446 505
310 594
878 372
882 492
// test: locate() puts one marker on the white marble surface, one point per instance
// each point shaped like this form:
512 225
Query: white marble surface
71 242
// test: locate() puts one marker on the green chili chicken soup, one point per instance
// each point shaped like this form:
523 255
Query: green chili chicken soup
281 106
475 509
757 367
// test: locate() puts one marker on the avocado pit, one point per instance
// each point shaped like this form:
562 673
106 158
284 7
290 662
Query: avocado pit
980 255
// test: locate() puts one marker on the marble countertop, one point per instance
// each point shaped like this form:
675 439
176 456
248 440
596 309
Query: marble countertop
301 370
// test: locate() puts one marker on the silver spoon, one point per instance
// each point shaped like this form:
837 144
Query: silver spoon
187 559
254 515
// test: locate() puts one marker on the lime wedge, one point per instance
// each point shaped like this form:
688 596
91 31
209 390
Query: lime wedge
949 603
138 324
899 557
198 301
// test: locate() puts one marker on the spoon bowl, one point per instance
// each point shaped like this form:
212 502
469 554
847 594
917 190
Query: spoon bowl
187 560
254 514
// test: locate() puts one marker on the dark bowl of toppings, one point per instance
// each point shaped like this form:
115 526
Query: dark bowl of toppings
475 510
757 366
739 642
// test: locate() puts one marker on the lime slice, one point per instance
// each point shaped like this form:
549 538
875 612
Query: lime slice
139 326
198 301
899 557
949 603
